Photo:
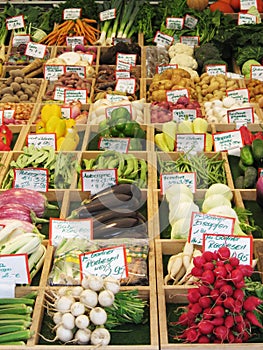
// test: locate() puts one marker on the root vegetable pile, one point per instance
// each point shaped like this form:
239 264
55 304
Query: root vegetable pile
84 314
219 311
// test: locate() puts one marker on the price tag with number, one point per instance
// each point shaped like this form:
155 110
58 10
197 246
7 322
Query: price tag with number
34 179
192 143
190 40
216 69
240 95
15 22
256 72
52 72
227 141
240 246
174 95
71 13
162 39
35 50
246 18
20 39
110 261
118 144
190 21
127 58
126 85
61 228
107 14
241 115
96 180
14 268
207 223
42 140
174 23
169 179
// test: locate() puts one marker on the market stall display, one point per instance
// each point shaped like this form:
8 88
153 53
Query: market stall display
131 173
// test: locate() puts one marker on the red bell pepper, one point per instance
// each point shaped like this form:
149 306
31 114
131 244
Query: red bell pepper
246 134
6 131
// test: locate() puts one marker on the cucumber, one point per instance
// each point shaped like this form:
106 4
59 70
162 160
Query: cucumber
257 149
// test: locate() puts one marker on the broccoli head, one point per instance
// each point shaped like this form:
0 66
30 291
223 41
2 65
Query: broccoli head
205 52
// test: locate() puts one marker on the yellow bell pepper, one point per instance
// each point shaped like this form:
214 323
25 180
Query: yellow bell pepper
50 110
40 127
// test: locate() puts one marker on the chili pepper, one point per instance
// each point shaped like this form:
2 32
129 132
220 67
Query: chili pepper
246 135
5 130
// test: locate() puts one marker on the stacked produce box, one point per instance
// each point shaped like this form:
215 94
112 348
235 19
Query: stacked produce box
164 134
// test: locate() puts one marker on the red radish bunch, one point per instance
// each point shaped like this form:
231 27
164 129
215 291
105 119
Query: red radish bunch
219 310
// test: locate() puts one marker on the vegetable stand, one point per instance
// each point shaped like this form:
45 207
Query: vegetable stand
150 157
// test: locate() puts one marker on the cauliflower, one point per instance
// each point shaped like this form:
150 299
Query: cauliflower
184 60
179 48
192 72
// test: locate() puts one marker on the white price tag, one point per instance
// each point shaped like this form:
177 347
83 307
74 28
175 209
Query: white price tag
169 179
162 39
61 228
71 13
14 268
42 140
96 180
126 85
15 22
105 262
108 14
35 50
33 179
207 223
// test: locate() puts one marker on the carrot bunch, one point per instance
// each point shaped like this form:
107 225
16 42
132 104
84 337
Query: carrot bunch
79 27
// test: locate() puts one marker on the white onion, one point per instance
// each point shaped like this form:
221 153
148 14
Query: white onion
98 316
68 320
82 321
100 336
77 308
89 298
106 298
112 284
82 336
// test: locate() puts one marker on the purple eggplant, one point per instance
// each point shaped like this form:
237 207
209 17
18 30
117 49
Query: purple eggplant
19 212
34 200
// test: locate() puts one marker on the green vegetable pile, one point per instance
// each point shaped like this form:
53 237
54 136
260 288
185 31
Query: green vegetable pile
120 124
208 170
129 168
61 166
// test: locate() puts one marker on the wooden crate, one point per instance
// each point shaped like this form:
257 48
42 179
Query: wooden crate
90 142
173 156
58 50
31 129
147 292
160 209
138 154
37 111
12 156
175 294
